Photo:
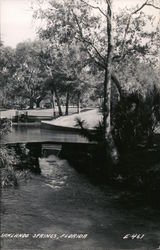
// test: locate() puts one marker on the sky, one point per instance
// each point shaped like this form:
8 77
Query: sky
17 24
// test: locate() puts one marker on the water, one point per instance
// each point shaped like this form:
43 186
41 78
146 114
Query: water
61 202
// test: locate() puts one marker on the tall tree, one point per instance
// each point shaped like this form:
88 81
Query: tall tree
61 61
109 42
29 78
7 69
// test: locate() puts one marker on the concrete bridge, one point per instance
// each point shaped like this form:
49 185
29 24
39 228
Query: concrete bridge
60 130
33 133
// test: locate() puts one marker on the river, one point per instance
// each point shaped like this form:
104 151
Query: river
61 205
68 211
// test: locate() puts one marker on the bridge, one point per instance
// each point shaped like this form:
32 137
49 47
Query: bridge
60 130
33 133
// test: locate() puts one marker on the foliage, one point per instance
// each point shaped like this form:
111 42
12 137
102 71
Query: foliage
135 118
112 44
64 59
7 64
9 160
28 80
5 125
10 176
139 172
7 69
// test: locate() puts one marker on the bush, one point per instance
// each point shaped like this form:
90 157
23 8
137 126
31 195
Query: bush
5 125
10 175
9 160
135 118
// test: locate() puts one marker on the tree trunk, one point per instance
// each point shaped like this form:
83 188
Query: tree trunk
38 101
118 86
78 104
31 103
111 149
53 103
58 102
67 103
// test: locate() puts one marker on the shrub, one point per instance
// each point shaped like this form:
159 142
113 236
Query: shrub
135 118
9 160
5 125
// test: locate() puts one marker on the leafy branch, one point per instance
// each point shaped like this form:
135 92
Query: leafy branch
95 7
85 41
128 25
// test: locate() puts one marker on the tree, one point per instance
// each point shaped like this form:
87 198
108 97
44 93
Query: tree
111 59
29 78
109 42
63 59
7 69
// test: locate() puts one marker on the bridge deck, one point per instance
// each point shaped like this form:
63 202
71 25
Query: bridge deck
25 134
60 130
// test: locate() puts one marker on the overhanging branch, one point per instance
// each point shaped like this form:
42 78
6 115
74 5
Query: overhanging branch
85 41
91 44
128 23
152 5
101 65
140 8
95 7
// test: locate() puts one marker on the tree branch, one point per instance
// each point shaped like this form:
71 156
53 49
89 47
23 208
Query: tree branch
92 57
95 7
141 7
152 5
82 39
128 23
90 43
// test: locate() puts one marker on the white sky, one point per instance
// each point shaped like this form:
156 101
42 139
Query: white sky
16 21
18 25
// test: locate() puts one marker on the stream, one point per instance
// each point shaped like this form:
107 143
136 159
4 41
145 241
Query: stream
61 210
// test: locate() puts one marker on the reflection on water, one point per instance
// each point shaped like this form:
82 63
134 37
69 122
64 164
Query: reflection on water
34 133
63 202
